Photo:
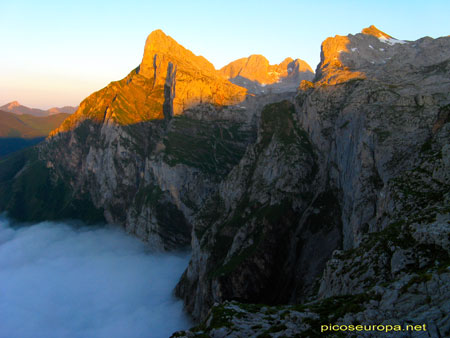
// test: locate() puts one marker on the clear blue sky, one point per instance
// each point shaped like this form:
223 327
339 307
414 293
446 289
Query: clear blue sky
56 53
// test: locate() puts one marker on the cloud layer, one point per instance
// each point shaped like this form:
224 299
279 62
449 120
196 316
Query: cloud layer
58 280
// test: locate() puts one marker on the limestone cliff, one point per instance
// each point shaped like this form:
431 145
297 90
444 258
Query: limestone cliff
251 240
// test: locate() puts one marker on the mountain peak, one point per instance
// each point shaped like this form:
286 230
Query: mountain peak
13 104
287 61
159 41
372 30
258 76
170 80
258 58
158 33
162 49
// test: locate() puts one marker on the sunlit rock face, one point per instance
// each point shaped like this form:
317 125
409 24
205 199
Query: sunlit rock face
195 80
259 77
169 80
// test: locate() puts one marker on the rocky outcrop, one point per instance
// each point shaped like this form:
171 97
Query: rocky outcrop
197 79
259 77
389 311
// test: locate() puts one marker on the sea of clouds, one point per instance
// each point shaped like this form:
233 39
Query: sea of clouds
61 280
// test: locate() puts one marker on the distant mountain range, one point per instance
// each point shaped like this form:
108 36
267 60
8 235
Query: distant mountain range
21 130
16 108
28 126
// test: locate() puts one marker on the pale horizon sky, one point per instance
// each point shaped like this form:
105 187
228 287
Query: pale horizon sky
56 53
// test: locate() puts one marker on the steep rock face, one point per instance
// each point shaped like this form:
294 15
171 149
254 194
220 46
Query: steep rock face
376 108
371 127
151 176
259 77
398 275
144 151
246 239
196 79
417 239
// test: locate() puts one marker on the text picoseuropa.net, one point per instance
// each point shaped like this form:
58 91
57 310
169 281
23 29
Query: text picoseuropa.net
378 328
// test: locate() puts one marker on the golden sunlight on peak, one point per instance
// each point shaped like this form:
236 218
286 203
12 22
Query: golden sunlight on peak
372 30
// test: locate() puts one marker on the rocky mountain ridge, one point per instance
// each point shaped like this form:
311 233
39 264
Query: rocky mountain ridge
259 77
285 198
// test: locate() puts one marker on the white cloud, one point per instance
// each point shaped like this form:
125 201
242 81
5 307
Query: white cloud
58 280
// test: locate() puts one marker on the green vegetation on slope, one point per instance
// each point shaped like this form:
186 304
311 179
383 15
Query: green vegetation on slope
29 192
277 129
212 147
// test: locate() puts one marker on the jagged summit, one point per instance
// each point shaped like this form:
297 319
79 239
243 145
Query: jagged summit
160 47
193 78
257 75
169 80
